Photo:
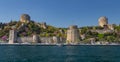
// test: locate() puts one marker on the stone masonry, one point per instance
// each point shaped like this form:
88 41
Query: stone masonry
103 21
36 39
73 35
12 36
25 18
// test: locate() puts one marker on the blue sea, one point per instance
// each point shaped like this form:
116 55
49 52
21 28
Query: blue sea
38 53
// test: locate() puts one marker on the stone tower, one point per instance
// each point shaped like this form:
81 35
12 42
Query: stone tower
36 39
73 35
25 18
103 21
12 37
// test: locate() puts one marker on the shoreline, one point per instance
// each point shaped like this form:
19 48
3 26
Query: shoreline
39 44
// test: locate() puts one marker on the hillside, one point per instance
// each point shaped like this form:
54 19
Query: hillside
26 27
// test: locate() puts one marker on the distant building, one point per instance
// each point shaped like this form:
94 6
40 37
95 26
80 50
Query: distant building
61 31
73 35
25 18
82 36
103 31
43 25
103 21
111 26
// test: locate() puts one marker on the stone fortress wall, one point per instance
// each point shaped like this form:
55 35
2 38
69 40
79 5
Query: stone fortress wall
25 18
24 39
73 35
35 39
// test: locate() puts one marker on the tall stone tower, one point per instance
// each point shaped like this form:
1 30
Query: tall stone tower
12 37
103 21
73 35
25 18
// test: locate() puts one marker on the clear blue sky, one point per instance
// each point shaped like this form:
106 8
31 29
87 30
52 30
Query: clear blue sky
61 13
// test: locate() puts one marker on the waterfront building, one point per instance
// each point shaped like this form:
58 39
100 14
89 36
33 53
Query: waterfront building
73 35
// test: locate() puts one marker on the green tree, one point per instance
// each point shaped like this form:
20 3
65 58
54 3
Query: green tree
110 38
101 37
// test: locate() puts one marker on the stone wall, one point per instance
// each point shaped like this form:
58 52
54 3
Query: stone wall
24 39
12 36
46 40
34 39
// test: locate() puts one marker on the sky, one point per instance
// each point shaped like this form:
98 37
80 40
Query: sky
61 13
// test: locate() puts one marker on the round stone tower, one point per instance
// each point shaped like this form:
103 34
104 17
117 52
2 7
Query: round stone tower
25 18
73 34
73 27
103 21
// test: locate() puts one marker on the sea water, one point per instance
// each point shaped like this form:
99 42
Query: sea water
84 53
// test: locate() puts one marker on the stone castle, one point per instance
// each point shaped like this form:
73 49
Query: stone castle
25 18
73 35
103 22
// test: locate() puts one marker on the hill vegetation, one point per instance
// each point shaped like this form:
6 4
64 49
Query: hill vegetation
28 29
